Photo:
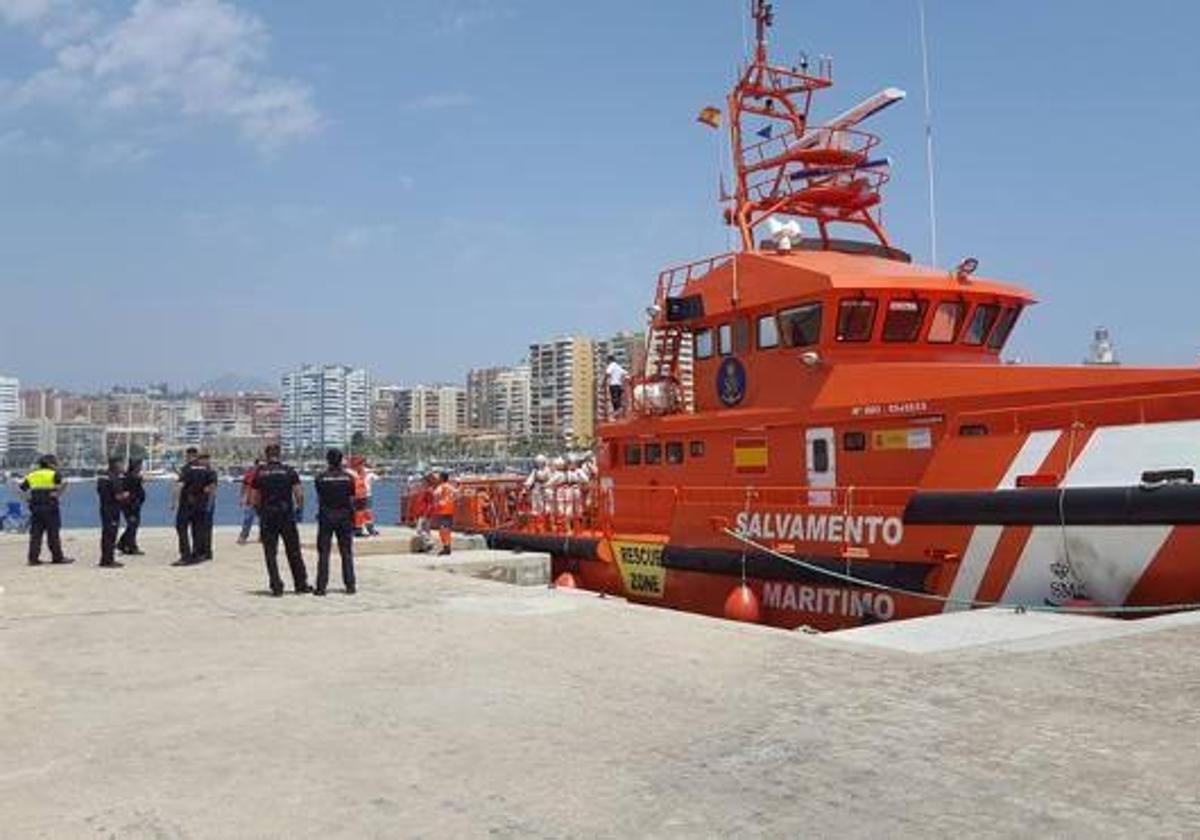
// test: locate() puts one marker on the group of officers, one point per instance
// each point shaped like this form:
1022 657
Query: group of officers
121 493
276 494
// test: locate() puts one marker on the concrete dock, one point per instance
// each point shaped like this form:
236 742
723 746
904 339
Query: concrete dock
160 702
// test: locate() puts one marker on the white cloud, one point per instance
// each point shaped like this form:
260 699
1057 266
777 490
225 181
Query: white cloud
24 11
116 154
363 236
200 59
439 101
19 143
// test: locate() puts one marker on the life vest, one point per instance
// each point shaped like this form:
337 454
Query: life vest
443 500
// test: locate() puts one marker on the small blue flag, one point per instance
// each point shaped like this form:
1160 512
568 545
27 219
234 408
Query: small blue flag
764 132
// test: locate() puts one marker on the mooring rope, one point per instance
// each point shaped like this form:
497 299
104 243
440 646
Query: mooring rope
963 602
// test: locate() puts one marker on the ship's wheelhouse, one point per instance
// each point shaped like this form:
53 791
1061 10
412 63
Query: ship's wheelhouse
775 314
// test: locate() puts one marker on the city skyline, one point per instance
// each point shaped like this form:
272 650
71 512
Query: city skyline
328 180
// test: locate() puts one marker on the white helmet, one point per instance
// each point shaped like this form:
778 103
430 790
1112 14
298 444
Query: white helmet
540 460
559 464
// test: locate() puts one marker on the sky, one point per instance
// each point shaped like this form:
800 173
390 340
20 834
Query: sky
195 187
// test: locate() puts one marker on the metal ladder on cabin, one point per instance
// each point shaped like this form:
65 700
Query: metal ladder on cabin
664 364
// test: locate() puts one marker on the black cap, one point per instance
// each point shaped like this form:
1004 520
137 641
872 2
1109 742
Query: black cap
334 457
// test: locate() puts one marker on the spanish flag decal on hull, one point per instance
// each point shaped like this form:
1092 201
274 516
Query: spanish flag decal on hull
750 455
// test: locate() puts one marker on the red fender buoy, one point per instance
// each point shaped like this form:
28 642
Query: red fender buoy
566 581
742 605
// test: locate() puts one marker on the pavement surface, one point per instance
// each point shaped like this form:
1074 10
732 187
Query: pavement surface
160 702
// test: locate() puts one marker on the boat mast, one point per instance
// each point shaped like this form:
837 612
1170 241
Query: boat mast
783 167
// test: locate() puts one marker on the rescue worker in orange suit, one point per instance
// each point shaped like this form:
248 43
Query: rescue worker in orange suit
444 497
42 489
278 494
364 516
335 518
360 495
110 487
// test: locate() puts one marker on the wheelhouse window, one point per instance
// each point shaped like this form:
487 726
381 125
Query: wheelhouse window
800 326
725 339
633 454
675 452
653 453
903 321
741 335
946 322
1004 326
696 448
856 319
704 344
980 325
768 332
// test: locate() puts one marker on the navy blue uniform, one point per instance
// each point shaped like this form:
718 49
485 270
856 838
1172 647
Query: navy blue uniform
335 517
193 514
277 519
109 487
132 510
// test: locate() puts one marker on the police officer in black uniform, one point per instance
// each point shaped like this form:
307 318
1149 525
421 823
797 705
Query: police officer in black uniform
132 508
42 488
277 494
193 490
335 517
110 487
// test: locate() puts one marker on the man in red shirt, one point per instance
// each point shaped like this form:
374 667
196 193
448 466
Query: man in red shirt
248 511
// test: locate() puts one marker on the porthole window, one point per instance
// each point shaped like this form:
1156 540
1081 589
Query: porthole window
633 454
973 430
696 449
856 319
654 454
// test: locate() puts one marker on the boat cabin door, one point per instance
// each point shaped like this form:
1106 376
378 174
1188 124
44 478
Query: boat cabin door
820 465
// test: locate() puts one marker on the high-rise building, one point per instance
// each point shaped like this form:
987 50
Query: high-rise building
29 438
10 408
324 406
562 390
498 400
629 351
429 410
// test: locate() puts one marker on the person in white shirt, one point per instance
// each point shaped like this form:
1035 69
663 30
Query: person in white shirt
615 376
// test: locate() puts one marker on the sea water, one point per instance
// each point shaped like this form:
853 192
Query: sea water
80 505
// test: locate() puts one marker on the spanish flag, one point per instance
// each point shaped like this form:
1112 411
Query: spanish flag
710 116
750 455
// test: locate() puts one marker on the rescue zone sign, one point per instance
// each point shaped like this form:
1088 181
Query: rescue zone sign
641 567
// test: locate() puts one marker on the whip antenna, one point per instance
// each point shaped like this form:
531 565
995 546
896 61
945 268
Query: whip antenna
928 137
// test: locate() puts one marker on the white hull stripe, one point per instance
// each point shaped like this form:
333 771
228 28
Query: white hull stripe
984 538
1104 563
